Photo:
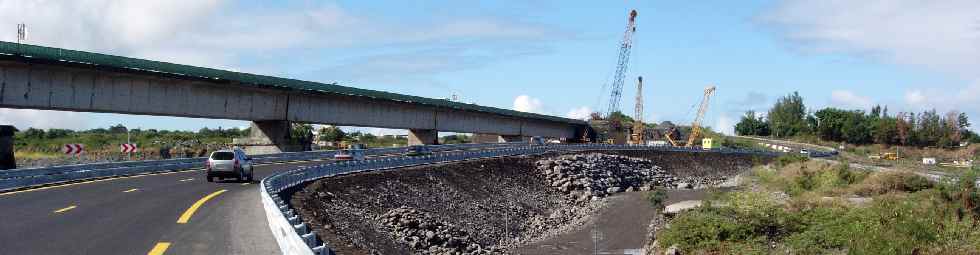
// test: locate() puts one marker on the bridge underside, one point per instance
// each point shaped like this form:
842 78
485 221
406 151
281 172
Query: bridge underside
58 87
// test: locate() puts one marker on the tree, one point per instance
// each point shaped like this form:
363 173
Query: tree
118 129
786 118
902 128
885 131
855 129
750 124
331 133
34 133
930 130
830 124
953 128
58 133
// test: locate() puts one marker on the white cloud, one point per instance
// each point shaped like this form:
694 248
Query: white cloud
581 113
43 119
848 99
216 33
527 103
915 97
965 99
221 34
940 35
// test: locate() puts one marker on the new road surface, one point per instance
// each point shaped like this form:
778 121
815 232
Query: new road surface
170 213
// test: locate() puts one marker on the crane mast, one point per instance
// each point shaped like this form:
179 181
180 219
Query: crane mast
637 137
696 126
622 64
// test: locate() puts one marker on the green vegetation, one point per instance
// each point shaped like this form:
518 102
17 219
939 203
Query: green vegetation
657 197
37 143
831 209
788 118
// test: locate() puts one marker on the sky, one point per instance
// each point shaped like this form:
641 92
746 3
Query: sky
549 57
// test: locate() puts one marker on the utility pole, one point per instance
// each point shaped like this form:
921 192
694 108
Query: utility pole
129 156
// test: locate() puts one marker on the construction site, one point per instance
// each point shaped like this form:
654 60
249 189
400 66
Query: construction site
610 125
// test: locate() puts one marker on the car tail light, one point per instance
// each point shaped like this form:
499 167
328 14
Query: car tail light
207 164
236 163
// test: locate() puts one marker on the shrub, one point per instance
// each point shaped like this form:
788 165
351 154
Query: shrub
884 182
790 158
657 197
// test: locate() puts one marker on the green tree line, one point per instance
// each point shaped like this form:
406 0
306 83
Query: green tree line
789 117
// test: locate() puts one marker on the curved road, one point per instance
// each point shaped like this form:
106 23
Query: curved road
140 215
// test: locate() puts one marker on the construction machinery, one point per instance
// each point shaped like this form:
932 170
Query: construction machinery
637 136
696 126
622 65
670 139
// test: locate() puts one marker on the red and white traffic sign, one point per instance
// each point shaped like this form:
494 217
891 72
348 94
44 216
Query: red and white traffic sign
74 148
128 147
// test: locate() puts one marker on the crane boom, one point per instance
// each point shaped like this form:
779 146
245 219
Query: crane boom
696 126
637 137
622 64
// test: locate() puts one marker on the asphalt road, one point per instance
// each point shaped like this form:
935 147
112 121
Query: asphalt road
140 215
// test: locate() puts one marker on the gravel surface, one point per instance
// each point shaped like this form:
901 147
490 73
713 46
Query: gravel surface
489 206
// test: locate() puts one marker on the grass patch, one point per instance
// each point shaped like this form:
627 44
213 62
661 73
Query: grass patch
906 214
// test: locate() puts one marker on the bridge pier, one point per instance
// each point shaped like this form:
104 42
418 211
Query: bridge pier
486 138
423 136
513 138
7 160
268 137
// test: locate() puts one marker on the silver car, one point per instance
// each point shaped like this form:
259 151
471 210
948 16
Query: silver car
229 164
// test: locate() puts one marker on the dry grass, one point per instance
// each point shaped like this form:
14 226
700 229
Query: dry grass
894 181
34 155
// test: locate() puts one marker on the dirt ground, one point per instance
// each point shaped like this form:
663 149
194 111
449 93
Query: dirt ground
622 227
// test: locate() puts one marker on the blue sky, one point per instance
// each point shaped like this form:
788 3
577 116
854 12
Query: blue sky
549 57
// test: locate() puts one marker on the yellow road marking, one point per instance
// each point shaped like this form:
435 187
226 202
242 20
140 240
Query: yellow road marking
99 180
65 209
190 211
188 179
159 249
130 190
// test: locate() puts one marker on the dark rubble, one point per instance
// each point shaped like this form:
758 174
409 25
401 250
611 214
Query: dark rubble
489 206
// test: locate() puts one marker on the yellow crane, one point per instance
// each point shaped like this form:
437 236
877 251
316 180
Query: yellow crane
696 126
637 136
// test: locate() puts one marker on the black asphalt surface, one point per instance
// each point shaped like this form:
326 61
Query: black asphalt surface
108 220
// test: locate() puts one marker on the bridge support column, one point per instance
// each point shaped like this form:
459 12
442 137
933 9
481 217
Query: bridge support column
486 138
267 137
423 136
7 160
513 138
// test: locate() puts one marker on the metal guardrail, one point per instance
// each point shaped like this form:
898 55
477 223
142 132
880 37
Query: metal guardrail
15 179
294 236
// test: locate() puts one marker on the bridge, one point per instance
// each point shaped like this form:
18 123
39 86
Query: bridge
36 77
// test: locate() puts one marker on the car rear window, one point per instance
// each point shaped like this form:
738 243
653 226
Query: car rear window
223 155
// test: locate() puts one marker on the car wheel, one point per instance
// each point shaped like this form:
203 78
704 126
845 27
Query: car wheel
210 179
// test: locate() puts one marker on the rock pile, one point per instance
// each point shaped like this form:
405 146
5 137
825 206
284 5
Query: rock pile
428 236
591 176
